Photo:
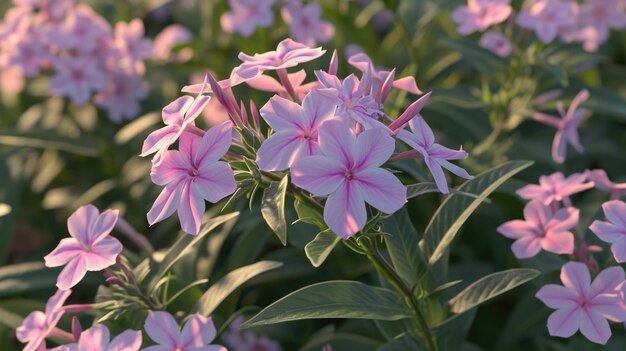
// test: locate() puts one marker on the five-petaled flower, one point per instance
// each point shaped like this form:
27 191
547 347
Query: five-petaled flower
542 229
435 155
602 182
614 230
98 338
305 24
89 249
582 305
196 335
192 174
39 325
548 18
478 15
246 15
555 187
295 129
348 171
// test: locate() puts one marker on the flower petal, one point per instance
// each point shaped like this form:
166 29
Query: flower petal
190 209
526 247
594 326
564 322
374 146
162 328
318 174
557 296
198 331
129 340
166 203
615 212
516 229
67 249
607 231
103 254
381 189
607 281
344 211
94 338
73 272
561 243
215 182
282 114
214 144
575 275
80 221
103 225
338 142
280 150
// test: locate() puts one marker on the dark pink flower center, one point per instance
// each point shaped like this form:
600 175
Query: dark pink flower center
193 172
348 175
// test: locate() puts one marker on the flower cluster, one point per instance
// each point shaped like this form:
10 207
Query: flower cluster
549 218
87 59
331 134
589 23
304 20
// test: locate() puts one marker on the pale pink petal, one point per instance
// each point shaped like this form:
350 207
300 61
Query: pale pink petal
607 281
94 338
103 254
610 306
163 329
317 108
280 150
174 111
564 322
73 272
619 250
557 296
381 189
531 191
103 225
526 247
575 275
516 229
344 211
166 203
560 243
67 249
536 212
422 131
564 219
282 114
318 174
615 212
214 144
190 209
454 169
160 139
174 166
407 84
437 172
559 147
337 142
196 108
129 340
594 326
80 221
607 232
198 331
374 146
32 327
215 182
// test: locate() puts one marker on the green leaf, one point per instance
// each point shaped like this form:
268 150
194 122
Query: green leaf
486 288
273 208
478 57
24 277
308 214
341 341
402 344
415 190
83 145
321 246
10 319
184 245
455 210
334 299
403 246
219 291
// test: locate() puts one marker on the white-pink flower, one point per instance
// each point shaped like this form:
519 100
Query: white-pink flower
548 18
76 78
191 175
556 188
479 15
348 171
197 334
90 247
246 15
541 229
614 230
582 305
38 325
305 25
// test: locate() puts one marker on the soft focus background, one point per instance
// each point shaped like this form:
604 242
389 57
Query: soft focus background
56 156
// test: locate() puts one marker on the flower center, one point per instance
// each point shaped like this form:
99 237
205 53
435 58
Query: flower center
193 172
348 175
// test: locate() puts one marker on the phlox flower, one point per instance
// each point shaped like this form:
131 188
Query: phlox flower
348 171
121 95
567 126
80 30
304 22
30 54
169 37
478 15
90 247
547 18
289 53
497 43
583 305
98 338
363 62
555 188
602 182
134 48
295 129
38 325
614 230
214 113
353 99
196 335
237 340
604 14
267 83
436 156
177 115
76 77
541 229
192 174
246 15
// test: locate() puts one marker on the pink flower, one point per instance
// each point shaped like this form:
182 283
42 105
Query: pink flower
478 15
214 113
80 30
246 15
295 130
435 155
603 14
289 53
89 249
348 170
613 231
497 43
555 188
548 17
98 338
267 83
363 62
567 126
353 99
602 182
76 77
169 37
191 175
582 305
121 95
177 115
196 335
304 23
30 54
129 39
541 230
38 325
246 341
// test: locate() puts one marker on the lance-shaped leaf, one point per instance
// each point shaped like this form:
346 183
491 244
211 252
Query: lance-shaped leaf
403 246
456 209
184 244
488 287
418 189
334 299
273 208
83 145
219 291
321 246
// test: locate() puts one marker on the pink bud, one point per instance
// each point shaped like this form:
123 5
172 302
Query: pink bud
77 329
411 112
